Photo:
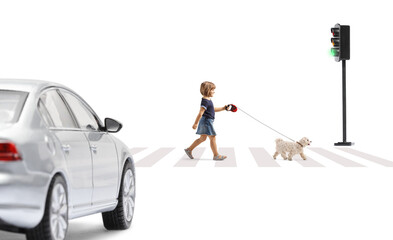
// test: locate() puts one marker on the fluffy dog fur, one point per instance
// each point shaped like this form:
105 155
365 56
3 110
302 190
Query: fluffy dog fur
292 148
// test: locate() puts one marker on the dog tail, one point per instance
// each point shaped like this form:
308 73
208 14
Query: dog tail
278 140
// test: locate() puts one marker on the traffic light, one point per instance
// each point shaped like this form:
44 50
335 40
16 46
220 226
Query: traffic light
340 41
340 52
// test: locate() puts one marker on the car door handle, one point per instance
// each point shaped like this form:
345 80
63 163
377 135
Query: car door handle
66 148
94 148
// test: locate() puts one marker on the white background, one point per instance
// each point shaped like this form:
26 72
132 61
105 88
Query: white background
142 62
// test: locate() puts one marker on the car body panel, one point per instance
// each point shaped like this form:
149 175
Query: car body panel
78 163
105 174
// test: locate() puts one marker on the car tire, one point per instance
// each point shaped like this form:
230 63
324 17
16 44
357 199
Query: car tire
54 224
120 218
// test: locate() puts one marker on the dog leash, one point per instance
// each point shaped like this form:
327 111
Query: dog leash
236 108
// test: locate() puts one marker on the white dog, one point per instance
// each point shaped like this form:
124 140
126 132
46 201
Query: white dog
292 148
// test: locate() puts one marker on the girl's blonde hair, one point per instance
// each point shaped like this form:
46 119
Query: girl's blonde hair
206 88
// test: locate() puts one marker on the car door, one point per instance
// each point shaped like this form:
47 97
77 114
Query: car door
74 146
103 150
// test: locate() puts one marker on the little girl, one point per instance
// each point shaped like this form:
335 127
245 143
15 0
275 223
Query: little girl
205 119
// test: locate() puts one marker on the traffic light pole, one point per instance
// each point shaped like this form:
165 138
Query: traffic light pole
344 142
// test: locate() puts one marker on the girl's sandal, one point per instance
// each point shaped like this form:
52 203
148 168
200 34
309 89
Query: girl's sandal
219 157
188 152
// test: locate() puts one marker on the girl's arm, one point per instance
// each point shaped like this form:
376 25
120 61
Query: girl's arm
201 111
219 109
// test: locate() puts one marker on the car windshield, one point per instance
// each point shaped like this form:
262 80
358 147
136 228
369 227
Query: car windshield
11 105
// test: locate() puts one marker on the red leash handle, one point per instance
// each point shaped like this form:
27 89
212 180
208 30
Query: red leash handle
231 107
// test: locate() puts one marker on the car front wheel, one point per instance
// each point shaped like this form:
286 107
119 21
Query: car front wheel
120 218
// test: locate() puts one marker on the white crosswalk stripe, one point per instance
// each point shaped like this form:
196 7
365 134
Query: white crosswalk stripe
370 159
288 164
170 159
206 159
185 161
242 157
151 159
325 162
336 158
362 161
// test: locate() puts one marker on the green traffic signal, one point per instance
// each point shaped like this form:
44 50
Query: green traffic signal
334 52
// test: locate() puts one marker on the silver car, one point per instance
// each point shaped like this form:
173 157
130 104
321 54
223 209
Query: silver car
59 162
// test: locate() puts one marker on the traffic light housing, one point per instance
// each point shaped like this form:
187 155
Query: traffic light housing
340 40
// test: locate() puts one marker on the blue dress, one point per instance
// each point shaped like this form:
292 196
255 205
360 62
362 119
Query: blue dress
205 126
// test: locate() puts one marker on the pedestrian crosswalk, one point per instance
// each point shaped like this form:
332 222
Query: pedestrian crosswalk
318 157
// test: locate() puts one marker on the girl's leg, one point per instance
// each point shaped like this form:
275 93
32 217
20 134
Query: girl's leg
213 145
197 142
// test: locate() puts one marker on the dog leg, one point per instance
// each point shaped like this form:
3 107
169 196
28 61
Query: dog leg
290 155
303 156
275 155
283 155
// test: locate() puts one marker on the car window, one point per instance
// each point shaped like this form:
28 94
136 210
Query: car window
59 115
11 105
83 115
45 114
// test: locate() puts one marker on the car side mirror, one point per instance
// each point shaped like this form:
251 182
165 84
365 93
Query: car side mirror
112 126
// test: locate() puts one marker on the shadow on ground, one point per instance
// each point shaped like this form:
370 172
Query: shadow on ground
76 231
